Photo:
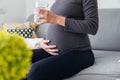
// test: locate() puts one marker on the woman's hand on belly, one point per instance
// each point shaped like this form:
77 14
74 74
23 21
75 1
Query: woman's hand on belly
51 49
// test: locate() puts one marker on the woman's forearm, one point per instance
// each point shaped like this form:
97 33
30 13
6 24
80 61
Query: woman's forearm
49 17
60 20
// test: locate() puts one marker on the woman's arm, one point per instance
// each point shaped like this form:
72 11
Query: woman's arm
89 24
49 17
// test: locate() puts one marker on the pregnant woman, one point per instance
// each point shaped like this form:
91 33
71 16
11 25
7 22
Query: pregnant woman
66 49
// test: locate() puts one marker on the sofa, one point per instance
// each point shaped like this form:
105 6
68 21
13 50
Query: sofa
105 45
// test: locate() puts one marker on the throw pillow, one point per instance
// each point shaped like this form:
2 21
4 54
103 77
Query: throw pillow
25 32
27 29
33 43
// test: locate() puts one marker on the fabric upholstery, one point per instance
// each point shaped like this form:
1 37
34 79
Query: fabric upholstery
94 77
106 65
108 36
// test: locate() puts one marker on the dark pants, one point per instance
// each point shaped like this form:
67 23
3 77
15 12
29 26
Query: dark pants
64 65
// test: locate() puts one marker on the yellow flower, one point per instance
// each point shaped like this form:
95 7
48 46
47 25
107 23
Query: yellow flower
15 57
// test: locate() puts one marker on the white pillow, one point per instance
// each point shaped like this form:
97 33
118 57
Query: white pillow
33 43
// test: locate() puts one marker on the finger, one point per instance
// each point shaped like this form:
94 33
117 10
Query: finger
46 41
42 17
53 50
36 11
51 47
43 10
37 16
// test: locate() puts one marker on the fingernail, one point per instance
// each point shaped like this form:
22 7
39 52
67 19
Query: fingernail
48 40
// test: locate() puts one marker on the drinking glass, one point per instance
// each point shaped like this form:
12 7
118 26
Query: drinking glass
39 5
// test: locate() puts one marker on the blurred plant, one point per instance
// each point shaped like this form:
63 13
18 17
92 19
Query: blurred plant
15 57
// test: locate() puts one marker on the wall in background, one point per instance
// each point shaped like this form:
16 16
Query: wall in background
109 3
19 10
12 10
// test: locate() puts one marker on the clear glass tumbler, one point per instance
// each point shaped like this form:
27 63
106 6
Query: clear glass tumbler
39 5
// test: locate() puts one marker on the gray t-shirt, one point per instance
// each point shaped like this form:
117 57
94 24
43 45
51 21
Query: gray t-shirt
81 20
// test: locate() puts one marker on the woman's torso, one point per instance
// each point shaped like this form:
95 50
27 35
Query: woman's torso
67 41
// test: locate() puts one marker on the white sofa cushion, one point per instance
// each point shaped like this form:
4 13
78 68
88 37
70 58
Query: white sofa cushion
33 43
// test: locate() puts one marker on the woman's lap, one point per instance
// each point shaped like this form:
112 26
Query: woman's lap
61 66
39 54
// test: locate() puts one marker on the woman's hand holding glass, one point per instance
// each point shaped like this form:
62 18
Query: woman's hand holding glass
47 16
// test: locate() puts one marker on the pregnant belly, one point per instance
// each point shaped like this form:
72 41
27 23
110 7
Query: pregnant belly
56 35
65 40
